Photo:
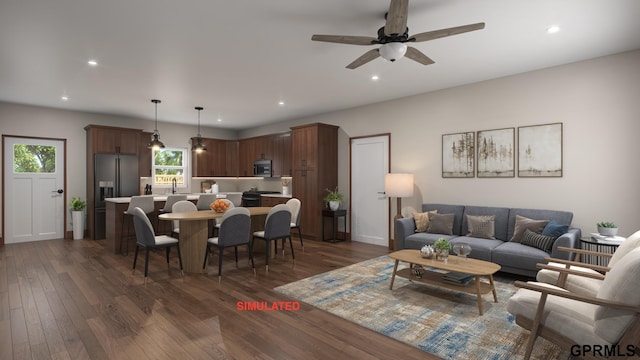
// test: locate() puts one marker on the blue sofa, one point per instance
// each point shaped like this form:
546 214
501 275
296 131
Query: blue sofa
513 257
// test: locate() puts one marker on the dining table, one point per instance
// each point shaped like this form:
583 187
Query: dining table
194 232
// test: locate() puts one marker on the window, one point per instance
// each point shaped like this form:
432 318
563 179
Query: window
169 164
34 159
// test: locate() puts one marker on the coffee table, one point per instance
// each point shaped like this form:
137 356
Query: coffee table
475 267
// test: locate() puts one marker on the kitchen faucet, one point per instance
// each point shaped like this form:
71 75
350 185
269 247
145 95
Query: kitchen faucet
174 184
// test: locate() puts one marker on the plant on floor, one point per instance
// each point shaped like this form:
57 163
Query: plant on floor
78 204
333 195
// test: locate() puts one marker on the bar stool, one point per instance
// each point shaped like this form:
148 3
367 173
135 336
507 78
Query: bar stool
171 199
144 202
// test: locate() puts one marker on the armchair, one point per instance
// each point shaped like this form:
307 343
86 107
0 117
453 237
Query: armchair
591 327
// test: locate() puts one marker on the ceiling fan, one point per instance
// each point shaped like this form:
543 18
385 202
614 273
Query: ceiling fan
393 36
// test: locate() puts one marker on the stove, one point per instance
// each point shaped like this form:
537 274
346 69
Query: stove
254 198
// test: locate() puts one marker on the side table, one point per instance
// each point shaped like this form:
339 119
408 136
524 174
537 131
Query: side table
603 246
335 215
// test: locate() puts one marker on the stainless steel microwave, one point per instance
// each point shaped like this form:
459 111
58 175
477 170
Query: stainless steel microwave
262 168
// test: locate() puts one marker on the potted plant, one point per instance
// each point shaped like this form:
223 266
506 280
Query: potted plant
442 247
607 228
77 217
333 198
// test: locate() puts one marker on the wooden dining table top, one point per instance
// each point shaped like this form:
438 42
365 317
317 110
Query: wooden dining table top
209 214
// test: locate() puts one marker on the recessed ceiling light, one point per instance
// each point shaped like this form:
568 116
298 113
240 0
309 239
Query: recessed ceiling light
553 29
281 103
375 78
92 63
219 119
64 98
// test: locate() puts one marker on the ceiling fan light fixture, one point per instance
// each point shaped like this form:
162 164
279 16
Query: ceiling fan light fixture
393 51
198 146
155 143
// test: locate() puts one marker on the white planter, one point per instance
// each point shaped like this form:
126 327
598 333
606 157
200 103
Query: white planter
285 190
334 205
77 220
607 231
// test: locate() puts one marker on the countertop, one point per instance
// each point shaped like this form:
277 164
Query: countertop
190 196
278 195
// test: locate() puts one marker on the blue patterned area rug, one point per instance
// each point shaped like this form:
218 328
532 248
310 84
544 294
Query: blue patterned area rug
439 321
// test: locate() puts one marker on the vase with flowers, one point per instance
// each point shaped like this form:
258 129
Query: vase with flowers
333 198
442 247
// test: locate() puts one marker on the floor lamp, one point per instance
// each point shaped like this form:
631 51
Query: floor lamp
398 186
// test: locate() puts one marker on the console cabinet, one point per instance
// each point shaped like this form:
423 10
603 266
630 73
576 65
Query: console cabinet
315 168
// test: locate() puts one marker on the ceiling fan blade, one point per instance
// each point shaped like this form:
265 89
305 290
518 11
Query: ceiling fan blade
416 55
345 39
368 56
397 17
431 35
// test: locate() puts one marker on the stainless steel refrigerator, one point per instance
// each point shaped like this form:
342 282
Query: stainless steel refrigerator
115 176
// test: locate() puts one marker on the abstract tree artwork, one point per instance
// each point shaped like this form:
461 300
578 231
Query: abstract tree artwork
540 150
458 155
496 153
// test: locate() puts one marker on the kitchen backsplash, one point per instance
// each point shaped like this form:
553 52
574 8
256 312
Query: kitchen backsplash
224 185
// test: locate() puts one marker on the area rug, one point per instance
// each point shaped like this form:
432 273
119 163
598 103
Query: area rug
439 321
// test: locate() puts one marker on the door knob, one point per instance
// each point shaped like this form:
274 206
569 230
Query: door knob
60 191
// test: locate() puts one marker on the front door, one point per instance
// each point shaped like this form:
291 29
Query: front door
34 200
369 204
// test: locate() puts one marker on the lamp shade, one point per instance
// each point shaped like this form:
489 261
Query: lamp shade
398 185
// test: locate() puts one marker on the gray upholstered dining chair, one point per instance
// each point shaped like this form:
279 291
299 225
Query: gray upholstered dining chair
235 229
205 200
216 225
144 202
181 206
168 204
277 226
147 239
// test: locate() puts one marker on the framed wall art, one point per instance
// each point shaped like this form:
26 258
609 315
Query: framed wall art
540 150
496 153
458 155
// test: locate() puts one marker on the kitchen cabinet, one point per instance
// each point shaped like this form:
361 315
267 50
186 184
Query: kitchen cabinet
232 155
246 156
212 162
281 150
271 201
314 150
144 155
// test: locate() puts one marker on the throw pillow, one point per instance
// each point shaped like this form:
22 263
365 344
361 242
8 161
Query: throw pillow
441 224
539 241
523 223
554 229
422 220
482 226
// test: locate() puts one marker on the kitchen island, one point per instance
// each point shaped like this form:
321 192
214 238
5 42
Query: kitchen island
117 206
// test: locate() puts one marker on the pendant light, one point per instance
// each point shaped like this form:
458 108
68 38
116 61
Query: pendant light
198 146
155 143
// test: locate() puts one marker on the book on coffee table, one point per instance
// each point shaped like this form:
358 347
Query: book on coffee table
457 278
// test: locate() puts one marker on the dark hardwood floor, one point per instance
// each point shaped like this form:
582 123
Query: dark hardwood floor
66 299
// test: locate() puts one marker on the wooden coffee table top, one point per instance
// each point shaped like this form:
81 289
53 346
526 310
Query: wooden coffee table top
454 263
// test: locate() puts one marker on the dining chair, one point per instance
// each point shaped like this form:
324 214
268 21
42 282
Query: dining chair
294 205
168 204
147 239
144 202
178 207
216 225
582 278
205 200
277 226
235 229
609 320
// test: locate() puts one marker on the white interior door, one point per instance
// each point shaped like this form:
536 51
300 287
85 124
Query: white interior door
33 189
369 205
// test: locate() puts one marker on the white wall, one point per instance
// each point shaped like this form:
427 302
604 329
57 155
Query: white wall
598 102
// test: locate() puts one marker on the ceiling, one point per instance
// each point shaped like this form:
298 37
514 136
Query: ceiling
238 59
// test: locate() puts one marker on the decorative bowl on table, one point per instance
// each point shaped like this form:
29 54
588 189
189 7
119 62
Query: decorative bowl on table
462 249
219 206
427 252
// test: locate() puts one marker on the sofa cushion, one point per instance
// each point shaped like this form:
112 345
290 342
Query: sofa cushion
518 256
523 223
481 249
575 283
500 223
561 217
539 241
440 223
554 229
630 243
457 210
418 240
481 226
422 220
